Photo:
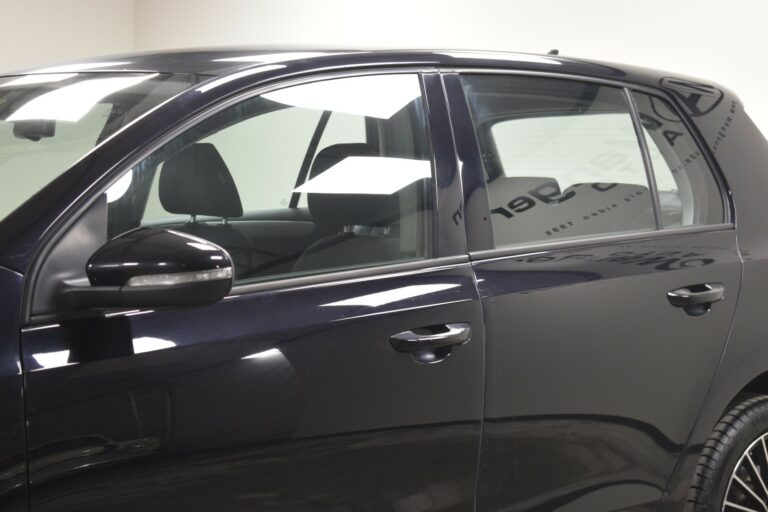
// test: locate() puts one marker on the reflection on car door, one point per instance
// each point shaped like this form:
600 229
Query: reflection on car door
594 376
289 396
285 400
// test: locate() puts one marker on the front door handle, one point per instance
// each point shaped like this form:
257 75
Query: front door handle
697 299
432 344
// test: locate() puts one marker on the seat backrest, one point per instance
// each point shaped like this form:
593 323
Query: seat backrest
333 211
362 227
196 181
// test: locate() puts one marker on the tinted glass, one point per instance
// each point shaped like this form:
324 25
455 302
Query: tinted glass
328 175
48 121
688 192
562 159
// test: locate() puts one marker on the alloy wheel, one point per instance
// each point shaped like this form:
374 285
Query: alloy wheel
748 487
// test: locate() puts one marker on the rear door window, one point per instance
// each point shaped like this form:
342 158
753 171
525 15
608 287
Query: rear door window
688 192
562 159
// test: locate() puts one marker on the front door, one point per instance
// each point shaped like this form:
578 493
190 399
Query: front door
609 278
308 388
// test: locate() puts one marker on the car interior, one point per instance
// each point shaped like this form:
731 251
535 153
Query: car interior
316 232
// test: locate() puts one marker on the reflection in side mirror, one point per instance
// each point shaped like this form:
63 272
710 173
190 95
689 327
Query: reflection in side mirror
152 267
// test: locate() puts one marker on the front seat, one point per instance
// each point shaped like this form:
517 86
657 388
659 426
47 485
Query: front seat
196 181
359 229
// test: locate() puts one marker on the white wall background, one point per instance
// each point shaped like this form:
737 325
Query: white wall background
724 42
38 32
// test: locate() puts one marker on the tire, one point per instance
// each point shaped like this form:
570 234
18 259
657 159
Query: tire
726 478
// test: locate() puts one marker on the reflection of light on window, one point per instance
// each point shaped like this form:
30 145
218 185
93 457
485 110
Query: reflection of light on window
120 187
268 58
379 96
38 79
379 299
515 57
368 175
240 74
150 344
72 102
265 354
52 359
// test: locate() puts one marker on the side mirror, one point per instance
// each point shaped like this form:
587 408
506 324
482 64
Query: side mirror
153 267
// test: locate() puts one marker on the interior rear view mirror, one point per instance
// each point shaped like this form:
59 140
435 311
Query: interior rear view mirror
153 267
34 130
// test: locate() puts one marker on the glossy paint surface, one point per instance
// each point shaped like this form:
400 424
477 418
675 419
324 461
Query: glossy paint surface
742 153
594 384
151 251
13 477
280 400
593 379
596 393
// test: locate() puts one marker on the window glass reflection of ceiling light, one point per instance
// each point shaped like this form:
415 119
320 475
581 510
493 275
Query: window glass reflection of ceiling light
72 102
38 79
379 96
374 300
368 175
120 187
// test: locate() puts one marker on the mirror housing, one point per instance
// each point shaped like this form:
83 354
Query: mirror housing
153 268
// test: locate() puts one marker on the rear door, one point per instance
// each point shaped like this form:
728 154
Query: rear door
609 272
310 387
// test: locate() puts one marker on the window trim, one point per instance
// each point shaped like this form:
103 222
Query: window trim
650 173
336 277
599 239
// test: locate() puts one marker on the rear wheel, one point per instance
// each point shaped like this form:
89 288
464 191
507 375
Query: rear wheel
732 474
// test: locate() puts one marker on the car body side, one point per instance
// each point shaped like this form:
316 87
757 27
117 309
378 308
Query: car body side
735 144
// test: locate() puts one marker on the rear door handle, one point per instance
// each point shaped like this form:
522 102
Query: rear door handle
697 299
432 344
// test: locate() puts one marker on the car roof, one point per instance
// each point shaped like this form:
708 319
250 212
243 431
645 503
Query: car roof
210 62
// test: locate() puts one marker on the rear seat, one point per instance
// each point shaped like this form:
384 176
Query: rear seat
580 210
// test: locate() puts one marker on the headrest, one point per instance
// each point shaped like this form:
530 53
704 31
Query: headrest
338 210
196 181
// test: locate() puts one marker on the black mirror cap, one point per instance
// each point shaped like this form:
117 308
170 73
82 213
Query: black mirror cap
131 258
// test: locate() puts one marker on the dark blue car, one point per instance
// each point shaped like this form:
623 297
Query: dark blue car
355 281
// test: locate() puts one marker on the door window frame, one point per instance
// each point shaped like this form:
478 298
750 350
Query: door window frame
482 247
447 249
